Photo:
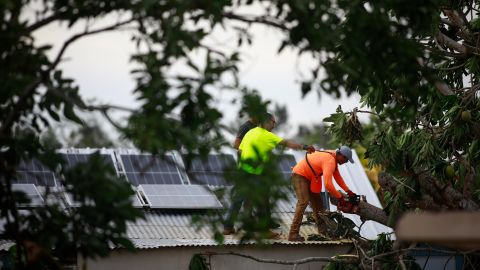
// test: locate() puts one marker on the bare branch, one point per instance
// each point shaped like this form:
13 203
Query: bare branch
345 258
45 21
259 20
85 33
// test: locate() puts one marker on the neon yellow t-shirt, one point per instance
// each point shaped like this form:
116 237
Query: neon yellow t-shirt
255 149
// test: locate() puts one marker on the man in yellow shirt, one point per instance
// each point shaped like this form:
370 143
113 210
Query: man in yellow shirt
307 182
254 151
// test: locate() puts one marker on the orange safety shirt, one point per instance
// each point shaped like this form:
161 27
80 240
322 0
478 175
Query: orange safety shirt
325 163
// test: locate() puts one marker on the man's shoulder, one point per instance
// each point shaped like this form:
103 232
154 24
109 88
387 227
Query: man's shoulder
244 128
326 156
247 125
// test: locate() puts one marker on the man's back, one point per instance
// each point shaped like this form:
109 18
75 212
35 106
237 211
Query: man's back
256 147
319 161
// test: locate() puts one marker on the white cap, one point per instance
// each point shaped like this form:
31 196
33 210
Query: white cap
346 152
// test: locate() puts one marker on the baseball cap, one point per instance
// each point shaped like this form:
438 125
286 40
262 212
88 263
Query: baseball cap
346 151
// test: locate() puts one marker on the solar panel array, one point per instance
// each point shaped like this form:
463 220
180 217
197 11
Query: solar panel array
34 172
209 171
180 197
158 178
149 169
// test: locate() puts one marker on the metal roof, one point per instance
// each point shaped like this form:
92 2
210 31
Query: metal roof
170 229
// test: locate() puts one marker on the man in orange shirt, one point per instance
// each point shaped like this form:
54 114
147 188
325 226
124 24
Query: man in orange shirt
307 181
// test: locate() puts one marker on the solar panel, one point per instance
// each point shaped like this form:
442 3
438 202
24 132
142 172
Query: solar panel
34 172
74 159
285 163
180 197
72 203
32 193
209 171
149 169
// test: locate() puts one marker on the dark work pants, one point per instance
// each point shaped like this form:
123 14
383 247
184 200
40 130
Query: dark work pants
237 200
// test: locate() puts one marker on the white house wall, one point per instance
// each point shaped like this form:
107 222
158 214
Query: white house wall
178 258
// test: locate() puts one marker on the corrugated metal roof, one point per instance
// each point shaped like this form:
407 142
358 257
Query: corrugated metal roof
171 229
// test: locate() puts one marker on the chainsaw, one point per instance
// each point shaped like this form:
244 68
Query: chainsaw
353 204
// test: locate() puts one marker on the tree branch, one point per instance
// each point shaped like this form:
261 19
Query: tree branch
443 88
429 185
85 33
450 43
45 21
456 20
368 211
259 20
348 258
30 89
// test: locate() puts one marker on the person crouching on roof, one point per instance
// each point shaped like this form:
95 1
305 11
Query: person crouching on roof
307 182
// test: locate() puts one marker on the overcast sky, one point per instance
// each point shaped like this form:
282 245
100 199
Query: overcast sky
100 66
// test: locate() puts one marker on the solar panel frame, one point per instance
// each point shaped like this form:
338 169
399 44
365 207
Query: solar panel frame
210 171
148 169
136 201
180 197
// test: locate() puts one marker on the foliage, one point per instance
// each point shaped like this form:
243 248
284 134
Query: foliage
383 244
414 64
339 266
315 135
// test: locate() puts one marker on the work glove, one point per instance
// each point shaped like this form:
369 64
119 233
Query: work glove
309 148
351 194
344 206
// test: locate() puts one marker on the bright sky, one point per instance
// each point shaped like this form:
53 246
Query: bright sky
100 66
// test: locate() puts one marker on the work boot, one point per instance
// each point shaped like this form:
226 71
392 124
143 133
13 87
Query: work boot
296 238
228 231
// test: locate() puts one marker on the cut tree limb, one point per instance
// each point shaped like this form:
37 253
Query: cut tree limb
368 211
